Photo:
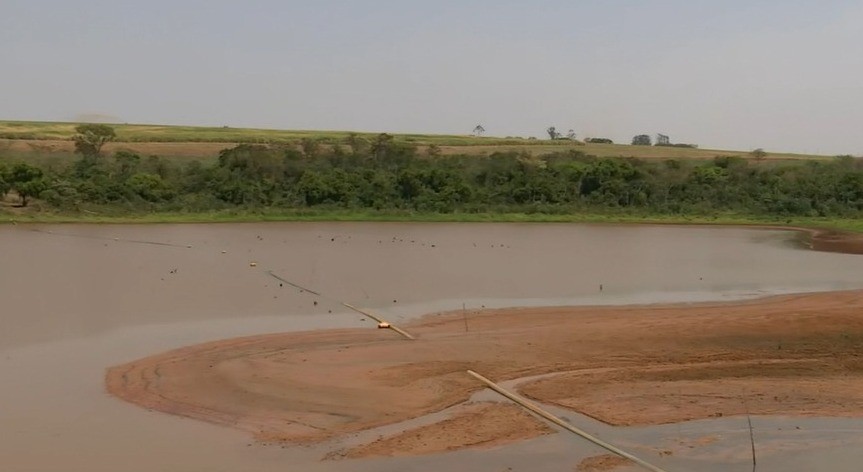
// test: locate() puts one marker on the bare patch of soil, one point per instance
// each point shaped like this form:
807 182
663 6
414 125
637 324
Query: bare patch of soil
602 463
674 393
477 425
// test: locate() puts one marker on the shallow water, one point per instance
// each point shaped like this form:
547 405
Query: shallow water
77 299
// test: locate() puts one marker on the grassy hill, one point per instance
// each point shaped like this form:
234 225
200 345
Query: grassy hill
29 139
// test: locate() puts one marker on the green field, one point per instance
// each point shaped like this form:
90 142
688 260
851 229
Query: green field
31 130
26 139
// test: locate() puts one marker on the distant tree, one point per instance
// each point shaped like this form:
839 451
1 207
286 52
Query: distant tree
150 187
90 138
5 186
253 162
357 143
758 154
159 166
599 141
27 181
381 144
127 163
641 140
552 132
570 135
311 147
662 139
478 130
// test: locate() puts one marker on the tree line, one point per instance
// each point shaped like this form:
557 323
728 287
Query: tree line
384 175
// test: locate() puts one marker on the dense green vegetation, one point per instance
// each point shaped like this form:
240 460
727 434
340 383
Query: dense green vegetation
385 176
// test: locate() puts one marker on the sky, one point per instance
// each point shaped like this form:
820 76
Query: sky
780 75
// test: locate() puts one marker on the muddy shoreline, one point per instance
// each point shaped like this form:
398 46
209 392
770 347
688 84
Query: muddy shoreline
836 241
654 364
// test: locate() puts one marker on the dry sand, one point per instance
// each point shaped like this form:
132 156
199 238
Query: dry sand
791 355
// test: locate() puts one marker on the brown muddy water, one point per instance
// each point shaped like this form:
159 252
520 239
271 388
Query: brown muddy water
77 299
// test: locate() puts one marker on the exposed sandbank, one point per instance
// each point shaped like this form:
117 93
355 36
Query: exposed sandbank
790 355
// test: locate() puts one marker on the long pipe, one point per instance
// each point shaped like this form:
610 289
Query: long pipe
534 408
275 276
381 322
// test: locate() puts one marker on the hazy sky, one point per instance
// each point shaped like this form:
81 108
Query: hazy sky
782 75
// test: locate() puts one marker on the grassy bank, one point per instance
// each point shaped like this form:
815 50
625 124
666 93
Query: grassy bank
852 225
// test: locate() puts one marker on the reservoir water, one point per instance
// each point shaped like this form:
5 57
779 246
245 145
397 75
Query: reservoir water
77 299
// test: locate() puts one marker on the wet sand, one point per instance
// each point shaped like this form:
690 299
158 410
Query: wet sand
825 240
602 463
79 299
837 241
476 425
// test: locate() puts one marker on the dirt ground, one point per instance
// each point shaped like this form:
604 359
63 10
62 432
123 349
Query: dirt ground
790 355
602 463
477 425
